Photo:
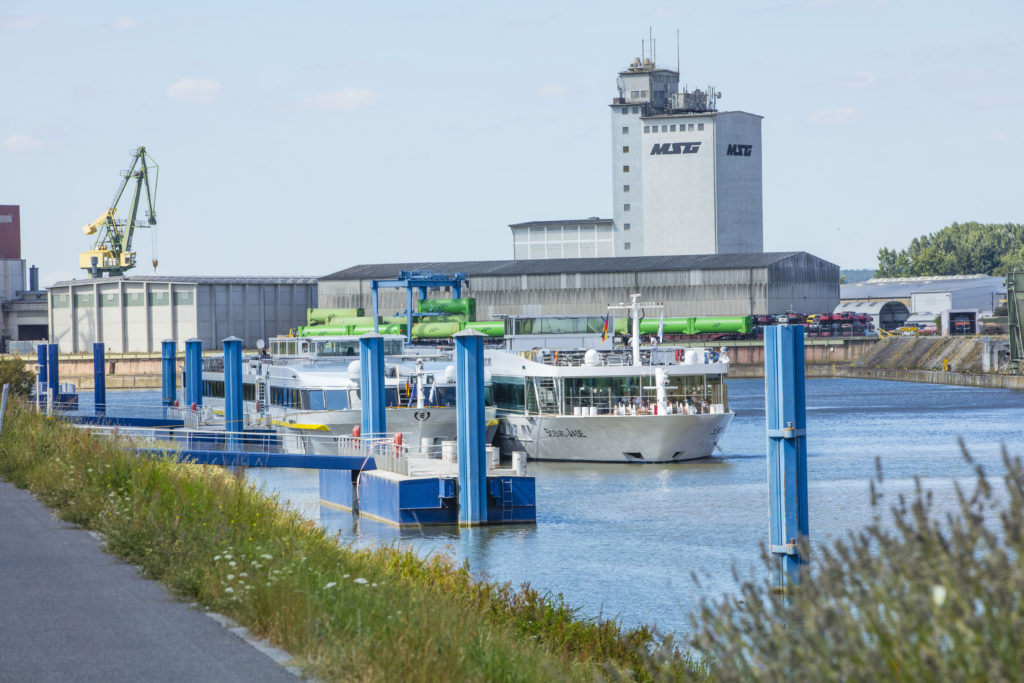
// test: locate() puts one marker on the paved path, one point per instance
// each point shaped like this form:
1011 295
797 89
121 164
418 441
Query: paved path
70 612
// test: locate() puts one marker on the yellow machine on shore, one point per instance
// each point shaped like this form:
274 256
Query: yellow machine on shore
112 253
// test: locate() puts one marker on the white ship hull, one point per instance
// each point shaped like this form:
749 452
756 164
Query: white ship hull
613 438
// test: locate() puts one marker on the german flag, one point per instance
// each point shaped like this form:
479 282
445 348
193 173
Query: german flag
604 330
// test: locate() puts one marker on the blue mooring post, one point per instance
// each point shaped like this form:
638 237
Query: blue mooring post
193 372
469 402
785 412
52 371
233 392
168 355
371 383
99 378
41 383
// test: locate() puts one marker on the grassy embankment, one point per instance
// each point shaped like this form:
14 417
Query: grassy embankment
344 613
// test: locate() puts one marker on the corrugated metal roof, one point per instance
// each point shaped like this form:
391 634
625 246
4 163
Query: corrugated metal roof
903 287
196 279
617 264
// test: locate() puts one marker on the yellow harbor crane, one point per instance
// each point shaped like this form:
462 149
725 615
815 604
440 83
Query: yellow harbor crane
112 253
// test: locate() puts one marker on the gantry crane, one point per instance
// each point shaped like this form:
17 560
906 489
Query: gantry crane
112 253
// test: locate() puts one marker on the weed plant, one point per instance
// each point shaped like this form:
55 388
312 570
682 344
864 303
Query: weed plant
344 613
925 598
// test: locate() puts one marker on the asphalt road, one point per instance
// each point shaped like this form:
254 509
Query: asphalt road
70 612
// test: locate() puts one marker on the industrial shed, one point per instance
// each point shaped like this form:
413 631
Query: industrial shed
137 313
691 285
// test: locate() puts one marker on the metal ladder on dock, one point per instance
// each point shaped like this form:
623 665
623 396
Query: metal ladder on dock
506 500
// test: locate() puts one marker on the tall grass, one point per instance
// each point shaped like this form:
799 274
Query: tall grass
921 598
345 613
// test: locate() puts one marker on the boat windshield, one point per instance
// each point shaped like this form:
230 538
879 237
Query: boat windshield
335 348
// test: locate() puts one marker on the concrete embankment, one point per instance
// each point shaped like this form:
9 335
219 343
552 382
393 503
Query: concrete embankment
960 361
123 370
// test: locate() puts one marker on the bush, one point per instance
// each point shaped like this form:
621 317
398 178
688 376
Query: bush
13 372
920 599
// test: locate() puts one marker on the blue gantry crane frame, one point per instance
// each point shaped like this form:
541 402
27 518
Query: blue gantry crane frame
420 280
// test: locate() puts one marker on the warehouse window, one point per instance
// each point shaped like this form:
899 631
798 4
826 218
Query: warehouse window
83 300
110 300
60 300
159 298
134 299
182 298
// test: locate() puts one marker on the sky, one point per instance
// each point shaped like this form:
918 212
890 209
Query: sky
298 139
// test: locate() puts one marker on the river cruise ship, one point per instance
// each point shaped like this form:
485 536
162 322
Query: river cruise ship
603 404
308 389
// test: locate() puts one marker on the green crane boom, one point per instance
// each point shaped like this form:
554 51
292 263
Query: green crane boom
112 253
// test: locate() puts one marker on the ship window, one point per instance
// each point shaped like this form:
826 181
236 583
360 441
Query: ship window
509 392
626 246
391 398
625 188
336 399
636 110
634 94
625 149
700 126
627 226
664 129
625 110
647 129
625 169
316 399
672 128
625 207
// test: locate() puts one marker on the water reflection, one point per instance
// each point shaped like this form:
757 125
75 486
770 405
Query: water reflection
623 540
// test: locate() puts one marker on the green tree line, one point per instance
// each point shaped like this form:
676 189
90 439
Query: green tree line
959 249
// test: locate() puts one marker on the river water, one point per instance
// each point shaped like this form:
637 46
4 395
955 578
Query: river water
624 541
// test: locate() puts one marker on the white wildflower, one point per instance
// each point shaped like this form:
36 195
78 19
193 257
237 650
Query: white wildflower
938 595
332 584
232 563
231 577
267 557
229 589
216 558
360 580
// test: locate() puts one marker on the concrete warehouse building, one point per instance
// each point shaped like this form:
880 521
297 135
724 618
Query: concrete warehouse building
710 284
137 313
686 178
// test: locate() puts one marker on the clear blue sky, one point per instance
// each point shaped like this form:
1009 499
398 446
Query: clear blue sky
302 138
